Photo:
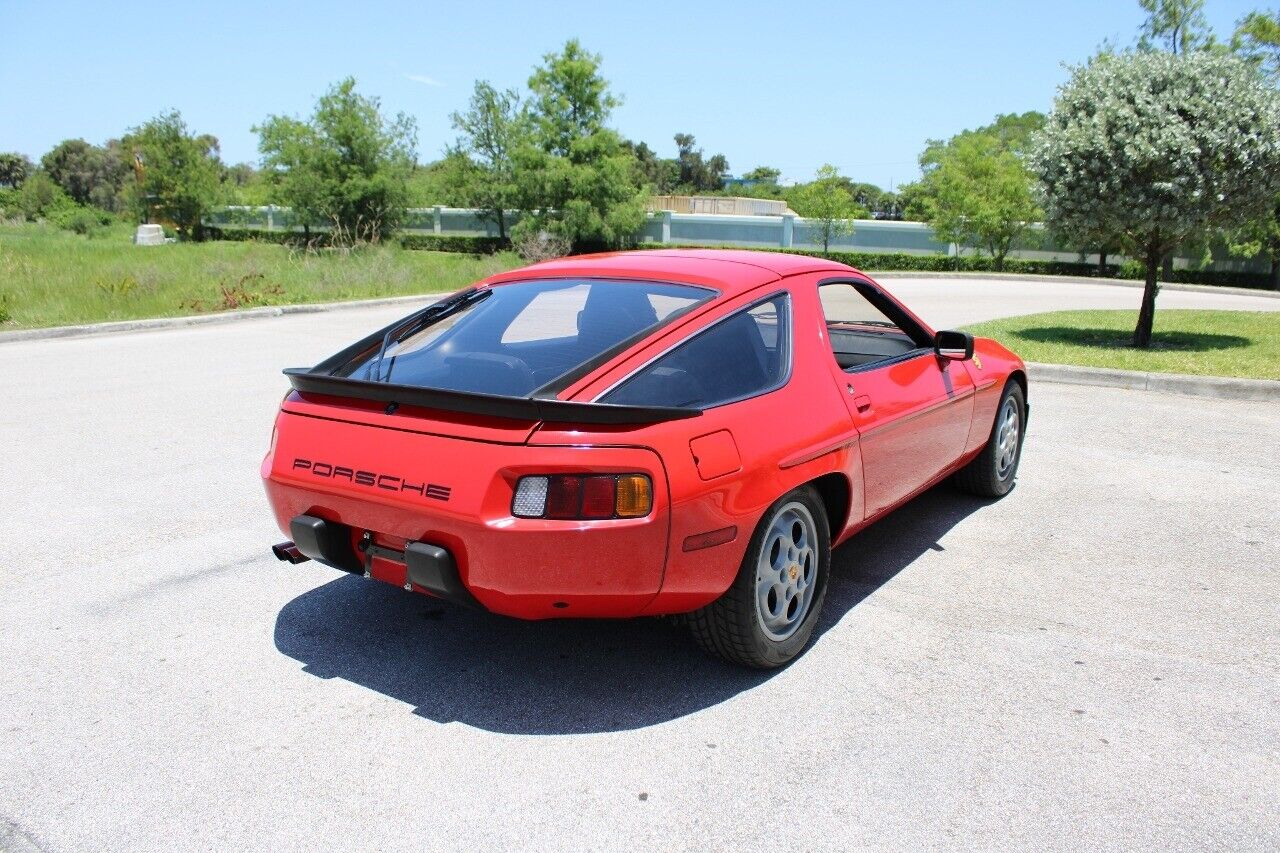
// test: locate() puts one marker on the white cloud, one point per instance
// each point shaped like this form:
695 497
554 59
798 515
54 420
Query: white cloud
423 79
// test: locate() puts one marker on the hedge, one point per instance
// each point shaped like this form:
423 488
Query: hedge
442 243
427 242
871 261
900 262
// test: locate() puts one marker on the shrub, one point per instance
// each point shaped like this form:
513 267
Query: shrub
541 246
39 197
9 203
6 311
80 219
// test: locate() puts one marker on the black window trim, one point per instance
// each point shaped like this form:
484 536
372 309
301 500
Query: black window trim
882 302
782 381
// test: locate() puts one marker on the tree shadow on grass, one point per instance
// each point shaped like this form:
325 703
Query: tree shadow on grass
566 676
1123 339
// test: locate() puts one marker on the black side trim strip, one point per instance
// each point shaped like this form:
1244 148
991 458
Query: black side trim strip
492 405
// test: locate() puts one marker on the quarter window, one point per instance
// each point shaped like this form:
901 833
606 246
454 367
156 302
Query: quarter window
741 356
860 333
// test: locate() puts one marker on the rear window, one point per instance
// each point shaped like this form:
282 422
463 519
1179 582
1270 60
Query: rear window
513 339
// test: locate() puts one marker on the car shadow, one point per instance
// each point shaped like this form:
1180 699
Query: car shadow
564 676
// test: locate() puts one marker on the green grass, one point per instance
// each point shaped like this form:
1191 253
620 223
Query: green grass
52 277
1207 343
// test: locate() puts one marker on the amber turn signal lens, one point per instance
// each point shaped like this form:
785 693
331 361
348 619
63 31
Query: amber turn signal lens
635 496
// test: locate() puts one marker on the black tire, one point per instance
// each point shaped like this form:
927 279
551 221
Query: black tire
731 628
983 475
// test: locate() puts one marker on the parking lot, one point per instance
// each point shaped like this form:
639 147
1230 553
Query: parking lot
1092 662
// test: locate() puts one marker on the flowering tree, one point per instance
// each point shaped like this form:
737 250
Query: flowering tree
1156 148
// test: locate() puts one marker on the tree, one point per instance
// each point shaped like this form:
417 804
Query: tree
570 98
1009 133
1261 236
493 127
90 174
980 193
576 178
697 173
347 166
763 174
182 172
14 169
1013 132
1257 39
660 174
1178 25
1157 149
827 205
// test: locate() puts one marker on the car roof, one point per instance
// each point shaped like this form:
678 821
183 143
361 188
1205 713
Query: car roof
731 271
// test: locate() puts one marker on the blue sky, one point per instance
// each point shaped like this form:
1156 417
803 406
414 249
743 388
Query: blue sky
793 85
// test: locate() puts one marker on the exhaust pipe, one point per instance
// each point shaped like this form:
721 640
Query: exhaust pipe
289 552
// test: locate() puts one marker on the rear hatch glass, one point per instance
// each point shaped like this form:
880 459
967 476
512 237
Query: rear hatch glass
514 340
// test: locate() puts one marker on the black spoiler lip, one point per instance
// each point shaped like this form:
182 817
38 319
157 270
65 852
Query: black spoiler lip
545 409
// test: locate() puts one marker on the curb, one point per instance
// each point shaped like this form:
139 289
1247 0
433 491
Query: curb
156 323
1217 387
1078 279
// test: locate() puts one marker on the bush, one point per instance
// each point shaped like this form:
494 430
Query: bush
39 198
9 203
80 219
541 246
6 312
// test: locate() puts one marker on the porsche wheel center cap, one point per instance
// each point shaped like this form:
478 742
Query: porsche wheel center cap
793 572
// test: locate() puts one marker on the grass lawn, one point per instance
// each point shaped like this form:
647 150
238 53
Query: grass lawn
1209 343
52 277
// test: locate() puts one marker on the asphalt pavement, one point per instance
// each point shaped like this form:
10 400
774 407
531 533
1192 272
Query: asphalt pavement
1090 663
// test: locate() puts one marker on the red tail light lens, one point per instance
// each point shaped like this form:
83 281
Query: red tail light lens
564 497
583 496
598 497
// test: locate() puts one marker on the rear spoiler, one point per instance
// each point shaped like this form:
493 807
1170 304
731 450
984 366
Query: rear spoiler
533 408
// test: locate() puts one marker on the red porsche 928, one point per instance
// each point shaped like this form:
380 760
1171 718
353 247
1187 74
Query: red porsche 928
640 433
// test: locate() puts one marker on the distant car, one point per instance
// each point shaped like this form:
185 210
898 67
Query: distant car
642 433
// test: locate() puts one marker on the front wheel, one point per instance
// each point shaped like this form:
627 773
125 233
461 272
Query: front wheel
992 472
766 618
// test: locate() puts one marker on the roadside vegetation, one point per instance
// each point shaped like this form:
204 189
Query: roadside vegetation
53 277
1208 343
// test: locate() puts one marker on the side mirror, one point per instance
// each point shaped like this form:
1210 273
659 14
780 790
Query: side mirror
957 346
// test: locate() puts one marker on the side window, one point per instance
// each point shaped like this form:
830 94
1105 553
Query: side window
860 334
743 355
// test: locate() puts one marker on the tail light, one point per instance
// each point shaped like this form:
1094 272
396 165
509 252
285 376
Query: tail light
583 496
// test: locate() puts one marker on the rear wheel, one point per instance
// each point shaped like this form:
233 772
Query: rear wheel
992 472
767 616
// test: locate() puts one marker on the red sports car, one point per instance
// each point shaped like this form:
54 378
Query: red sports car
640 433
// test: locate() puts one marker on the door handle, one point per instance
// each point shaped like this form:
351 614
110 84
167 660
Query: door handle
862 403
